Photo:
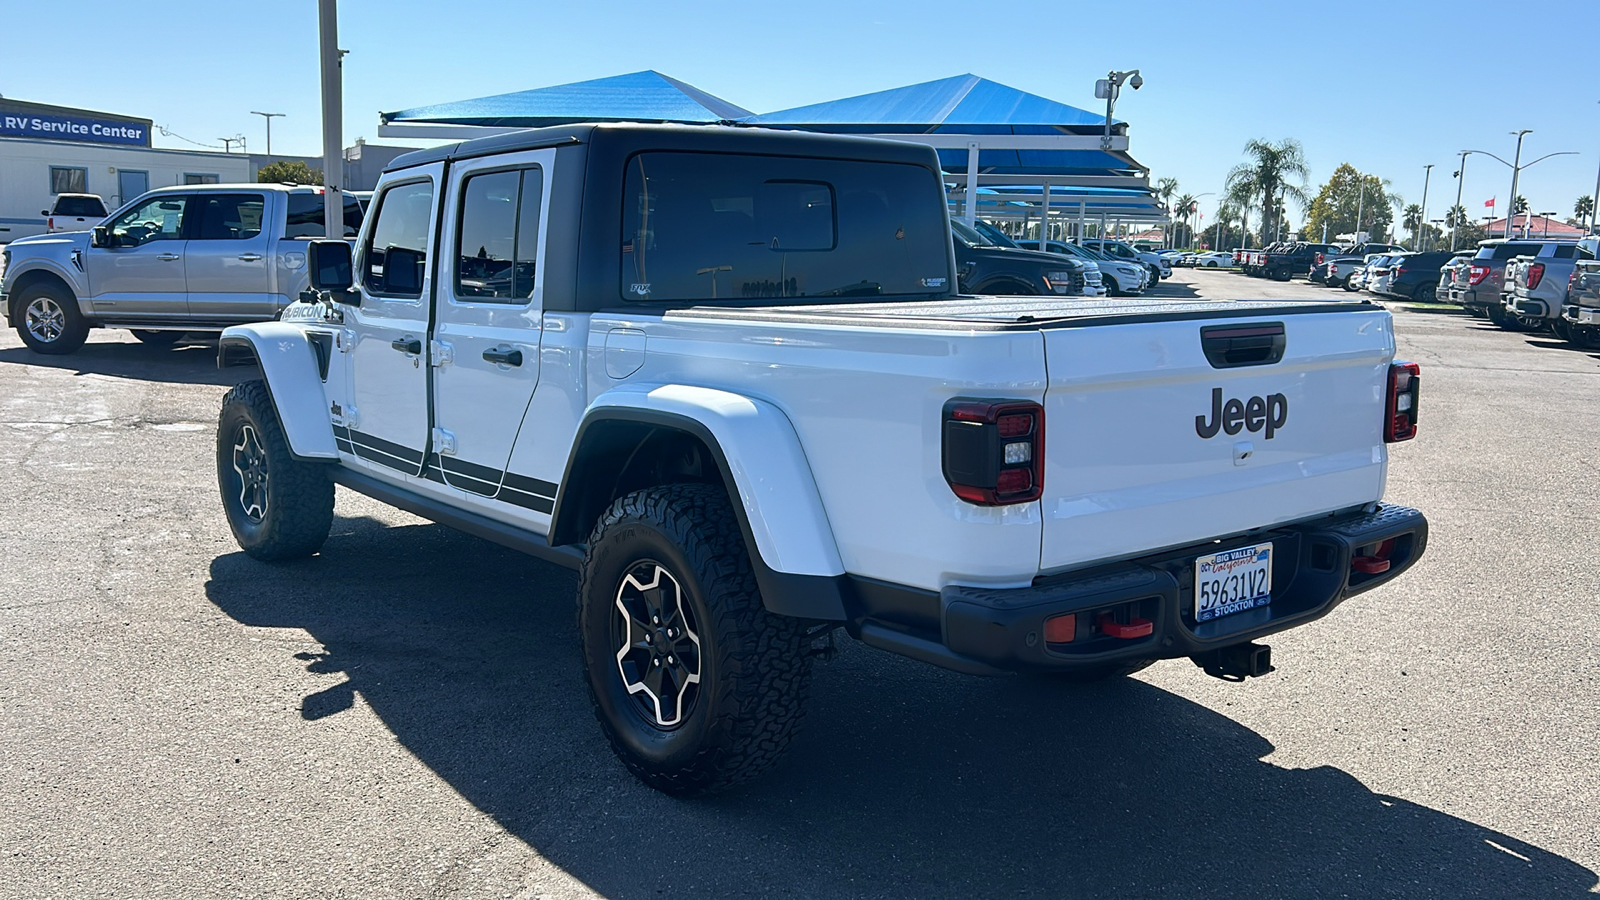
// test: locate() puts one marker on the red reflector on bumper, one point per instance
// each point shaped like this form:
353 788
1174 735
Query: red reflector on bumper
1137 628
1370 565
1060 629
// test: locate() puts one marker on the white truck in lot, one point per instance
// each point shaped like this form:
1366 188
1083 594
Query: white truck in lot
723 372
174 260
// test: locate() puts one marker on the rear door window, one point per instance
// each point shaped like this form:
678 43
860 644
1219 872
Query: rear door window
498 241
305 215
229 217
730 229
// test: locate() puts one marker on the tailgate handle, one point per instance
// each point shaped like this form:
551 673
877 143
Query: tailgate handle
1232 346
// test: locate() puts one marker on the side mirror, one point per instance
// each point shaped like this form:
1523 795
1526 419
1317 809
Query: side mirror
330 266
99 236
44 212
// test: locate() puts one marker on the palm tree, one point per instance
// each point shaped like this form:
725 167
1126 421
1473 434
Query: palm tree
1272 174
1456 217
1412 222
1584 208
1165 188
1184 210
1521 204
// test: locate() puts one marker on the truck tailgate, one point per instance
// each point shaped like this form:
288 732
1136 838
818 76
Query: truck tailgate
1139 454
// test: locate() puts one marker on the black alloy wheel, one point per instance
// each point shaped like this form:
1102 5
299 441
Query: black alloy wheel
278 507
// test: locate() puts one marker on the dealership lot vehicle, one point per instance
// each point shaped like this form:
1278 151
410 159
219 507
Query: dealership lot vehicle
648 297
1536 288
1581 310
192 258
1213 260
1159 268
1343 269
989 262
73 212
1118 277
1486 275
1415 276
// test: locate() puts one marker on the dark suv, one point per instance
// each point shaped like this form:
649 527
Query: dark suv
984 266
1416 275
1298 259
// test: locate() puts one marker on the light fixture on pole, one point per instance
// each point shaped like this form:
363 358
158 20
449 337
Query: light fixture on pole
1461 179
1107 89
1516 169
269 117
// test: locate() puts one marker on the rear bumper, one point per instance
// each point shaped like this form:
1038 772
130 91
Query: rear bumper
989 631
1581 315
1531 308
1473 297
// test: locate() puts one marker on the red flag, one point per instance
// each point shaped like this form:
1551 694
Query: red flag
1490 201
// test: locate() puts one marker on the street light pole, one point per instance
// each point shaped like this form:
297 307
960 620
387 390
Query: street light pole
1422 220
332 118
1516 169
1595 197
1461 180
269 117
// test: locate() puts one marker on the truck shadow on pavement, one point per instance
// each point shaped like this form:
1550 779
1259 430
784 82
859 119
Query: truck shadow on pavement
187 363
906 780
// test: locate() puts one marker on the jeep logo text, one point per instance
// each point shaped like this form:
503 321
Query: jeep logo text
1252 415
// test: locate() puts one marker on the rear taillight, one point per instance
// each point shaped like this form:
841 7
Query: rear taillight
50 223
1319 259
1400 413
1535 275
1477 274
994 450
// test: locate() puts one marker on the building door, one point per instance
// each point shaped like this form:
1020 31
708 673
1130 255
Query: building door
130 184
226 259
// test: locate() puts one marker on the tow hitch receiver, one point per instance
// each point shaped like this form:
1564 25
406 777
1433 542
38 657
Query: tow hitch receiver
1236 663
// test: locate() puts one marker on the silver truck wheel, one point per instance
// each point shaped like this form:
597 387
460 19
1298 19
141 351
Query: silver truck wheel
278 507
696 686
48 321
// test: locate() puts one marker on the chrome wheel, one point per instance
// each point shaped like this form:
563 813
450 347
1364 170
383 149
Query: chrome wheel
658 649
45 320
250 464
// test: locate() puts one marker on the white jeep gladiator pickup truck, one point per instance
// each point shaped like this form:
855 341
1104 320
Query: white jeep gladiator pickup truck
177 259
723 373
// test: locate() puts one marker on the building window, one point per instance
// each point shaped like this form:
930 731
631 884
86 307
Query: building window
67 180
198 178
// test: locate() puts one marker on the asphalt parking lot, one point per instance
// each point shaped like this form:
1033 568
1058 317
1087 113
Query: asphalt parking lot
403 716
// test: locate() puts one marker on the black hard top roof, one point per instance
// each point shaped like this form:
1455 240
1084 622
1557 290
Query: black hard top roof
723 138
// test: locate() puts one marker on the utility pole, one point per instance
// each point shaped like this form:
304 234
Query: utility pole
1516 169
1595 197
269 117
1361 202
1461 180
1422 221
332 118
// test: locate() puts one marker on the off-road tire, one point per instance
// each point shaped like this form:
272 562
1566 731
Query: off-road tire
296 497
70 327
754 666
158 338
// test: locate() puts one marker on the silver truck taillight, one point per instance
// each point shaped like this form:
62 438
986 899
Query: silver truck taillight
1400 412
1535 275
1477 274
993 452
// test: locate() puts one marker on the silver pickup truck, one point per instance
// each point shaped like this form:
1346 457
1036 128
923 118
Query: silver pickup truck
174 260
1581 310
1481 294
1536 286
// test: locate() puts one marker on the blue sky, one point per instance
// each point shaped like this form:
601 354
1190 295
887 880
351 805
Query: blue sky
1388 92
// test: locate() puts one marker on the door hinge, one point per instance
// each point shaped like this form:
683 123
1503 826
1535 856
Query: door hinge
344 339
348 417
444 442
440 353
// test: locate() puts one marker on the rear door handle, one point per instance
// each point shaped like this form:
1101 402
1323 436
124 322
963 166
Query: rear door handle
168 257
504 356
250 257
407 344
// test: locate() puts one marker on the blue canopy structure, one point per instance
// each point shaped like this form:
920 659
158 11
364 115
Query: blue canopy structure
1019 155
646 96
958 104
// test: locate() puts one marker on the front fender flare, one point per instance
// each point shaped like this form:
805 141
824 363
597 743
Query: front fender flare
289 367
766 473
24 271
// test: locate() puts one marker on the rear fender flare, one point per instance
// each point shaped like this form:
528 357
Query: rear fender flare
764 469
288 365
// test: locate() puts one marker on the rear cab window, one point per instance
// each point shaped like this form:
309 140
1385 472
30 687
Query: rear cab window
89 207
306 215
736 229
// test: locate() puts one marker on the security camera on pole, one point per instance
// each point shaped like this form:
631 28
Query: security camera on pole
1107 89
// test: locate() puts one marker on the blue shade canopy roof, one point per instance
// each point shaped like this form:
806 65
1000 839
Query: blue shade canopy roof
646 96
964 100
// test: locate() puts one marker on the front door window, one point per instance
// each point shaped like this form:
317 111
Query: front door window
157 219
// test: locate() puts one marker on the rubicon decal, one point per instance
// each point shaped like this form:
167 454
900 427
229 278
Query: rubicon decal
1267 413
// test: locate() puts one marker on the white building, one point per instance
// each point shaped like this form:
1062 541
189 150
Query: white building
50 150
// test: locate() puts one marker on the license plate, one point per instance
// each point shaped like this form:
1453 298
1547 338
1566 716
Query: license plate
1232 581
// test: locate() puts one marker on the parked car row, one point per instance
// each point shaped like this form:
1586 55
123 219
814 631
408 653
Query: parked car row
1533 285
